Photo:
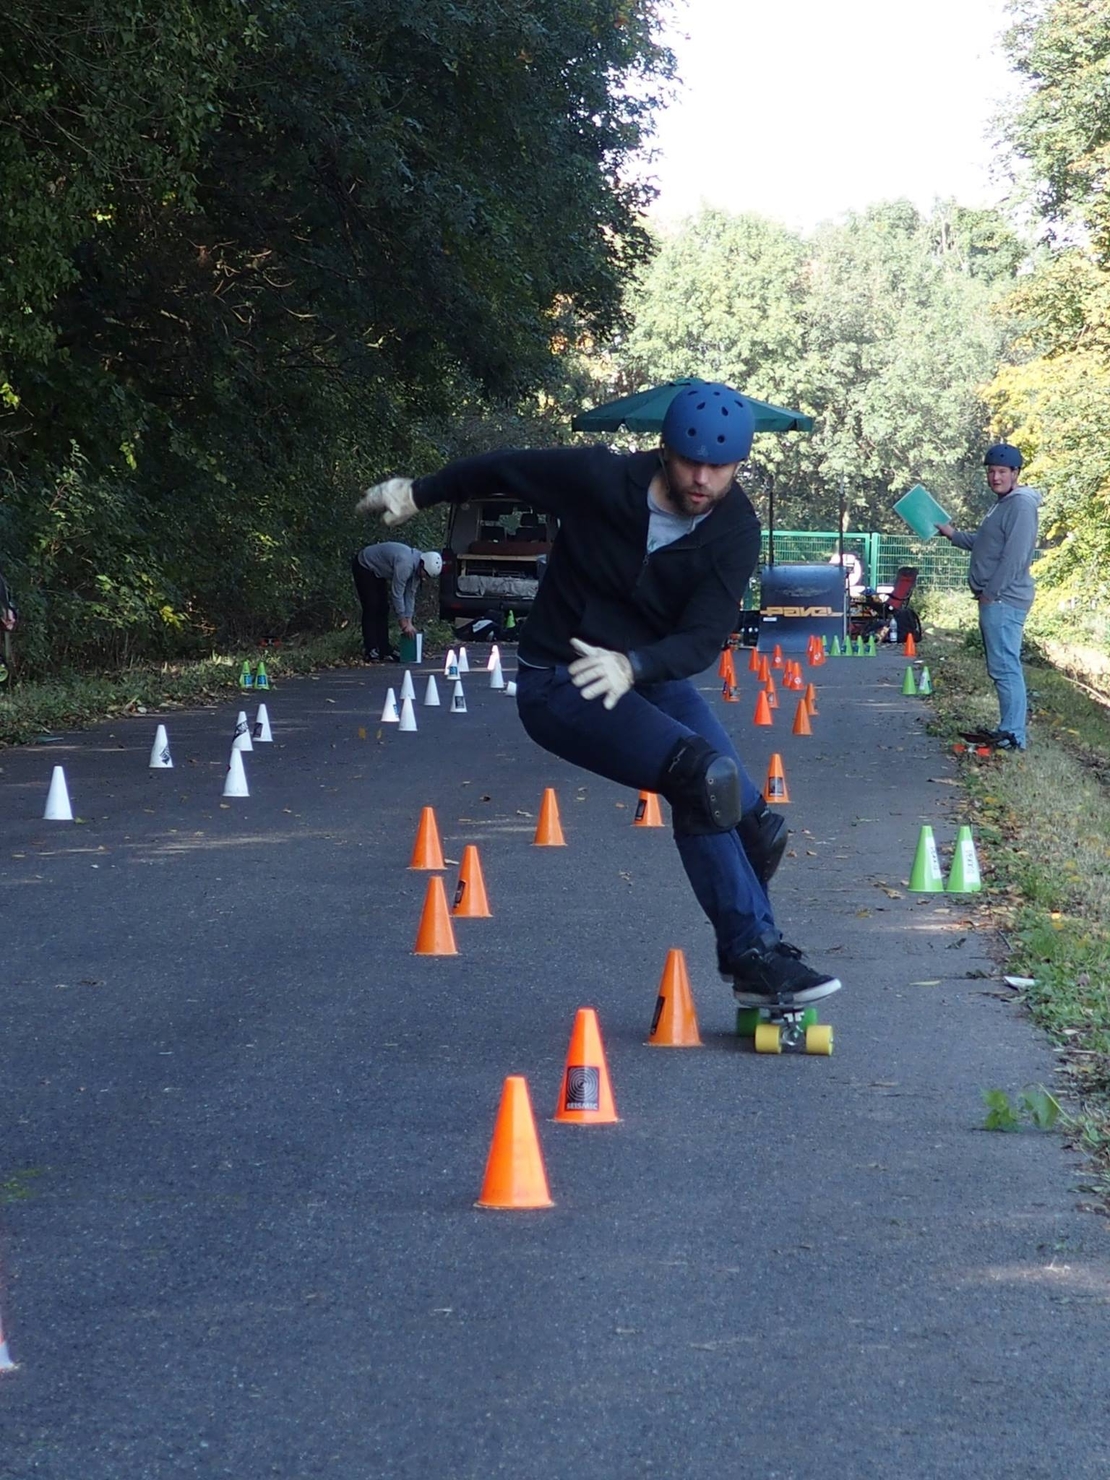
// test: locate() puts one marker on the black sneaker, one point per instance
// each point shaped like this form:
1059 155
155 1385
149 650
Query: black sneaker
373 656
763 834
778 974
1005 740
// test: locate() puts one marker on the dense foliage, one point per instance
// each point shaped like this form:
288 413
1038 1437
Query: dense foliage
880 326
257 255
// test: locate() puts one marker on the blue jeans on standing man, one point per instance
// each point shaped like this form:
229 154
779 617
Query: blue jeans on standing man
1001 626
631 744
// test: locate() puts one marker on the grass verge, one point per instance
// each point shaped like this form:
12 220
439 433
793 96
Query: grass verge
1042 822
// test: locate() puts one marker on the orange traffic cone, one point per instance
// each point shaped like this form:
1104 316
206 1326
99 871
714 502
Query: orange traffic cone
723 662
549 830
586 1096
772 693
801 720
427 851
471 902
762 710
515 1177
911 646
764 668
811 699
776 656
775 789
818 654
648 813
753 660
675 1024
728 692
435 936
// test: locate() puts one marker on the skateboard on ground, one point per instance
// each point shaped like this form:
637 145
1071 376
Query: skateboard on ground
783 1026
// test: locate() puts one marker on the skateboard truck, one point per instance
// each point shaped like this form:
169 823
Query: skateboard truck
782 1025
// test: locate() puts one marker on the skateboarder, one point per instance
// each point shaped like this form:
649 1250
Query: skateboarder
646 574
389 573
1002 550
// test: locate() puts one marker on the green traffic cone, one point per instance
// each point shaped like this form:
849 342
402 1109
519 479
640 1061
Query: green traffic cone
925 684
859 646
825 643
261 677
926 877
510 621
963 876
909 688
834 651
871 646
246 678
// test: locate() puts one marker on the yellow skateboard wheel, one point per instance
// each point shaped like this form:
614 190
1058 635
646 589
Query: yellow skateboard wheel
819 1038
768 1038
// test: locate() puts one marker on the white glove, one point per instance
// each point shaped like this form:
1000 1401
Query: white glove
599 673
392 500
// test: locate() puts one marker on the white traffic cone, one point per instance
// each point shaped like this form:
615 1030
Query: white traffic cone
496 677
431 693
160 758
261 731
58 808
6 1363
458 699
494 658
242 740
389 709
451 666
464 662
235 784
408 714
407 689
510 688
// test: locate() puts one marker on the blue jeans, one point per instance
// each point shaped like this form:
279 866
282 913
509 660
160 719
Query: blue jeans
630 744
1002 626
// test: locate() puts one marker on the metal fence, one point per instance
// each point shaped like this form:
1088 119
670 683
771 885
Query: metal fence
940 567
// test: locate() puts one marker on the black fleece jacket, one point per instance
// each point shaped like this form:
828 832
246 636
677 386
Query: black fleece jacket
668 611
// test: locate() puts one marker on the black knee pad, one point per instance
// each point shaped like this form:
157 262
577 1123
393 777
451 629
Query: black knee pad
703 788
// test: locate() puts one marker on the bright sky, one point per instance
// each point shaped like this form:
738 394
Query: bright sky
803 111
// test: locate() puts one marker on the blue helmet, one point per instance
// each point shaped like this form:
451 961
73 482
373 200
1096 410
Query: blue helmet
709 423
1002 455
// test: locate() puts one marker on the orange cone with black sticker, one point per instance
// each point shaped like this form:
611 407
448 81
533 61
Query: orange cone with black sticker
549 830
427 851
675 1023
435 936
801 720
585 1095
775 788
515 1176
648 813
772 693
762 710
471 902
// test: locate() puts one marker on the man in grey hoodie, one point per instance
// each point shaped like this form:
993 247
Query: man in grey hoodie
1002 550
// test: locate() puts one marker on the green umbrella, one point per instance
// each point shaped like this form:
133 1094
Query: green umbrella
644 412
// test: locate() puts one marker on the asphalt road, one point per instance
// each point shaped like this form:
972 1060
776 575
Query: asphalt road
245 1127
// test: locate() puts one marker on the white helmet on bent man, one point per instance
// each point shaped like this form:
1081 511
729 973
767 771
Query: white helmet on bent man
432 561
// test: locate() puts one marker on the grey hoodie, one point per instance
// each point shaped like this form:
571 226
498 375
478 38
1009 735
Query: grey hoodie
1002 549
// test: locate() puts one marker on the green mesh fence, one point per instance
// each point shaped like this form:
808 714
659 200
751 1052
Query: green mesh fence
939 566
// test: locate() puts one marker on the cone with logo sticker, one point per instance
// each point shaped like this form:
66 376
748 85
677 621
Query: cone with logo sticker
776 656
427 850
675 1023
435 935
925 876
549 830
241 740
801 720
261 730
925 684
58 808
648 813
515 1175
471 902
585 1095
772 693
160 758
458 698
451 665
964 876
261 677
774 789
762 710
246 676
